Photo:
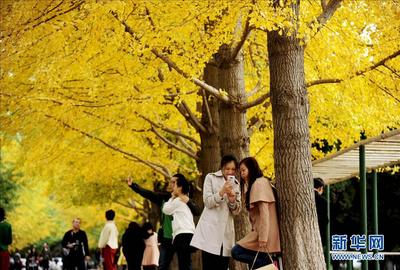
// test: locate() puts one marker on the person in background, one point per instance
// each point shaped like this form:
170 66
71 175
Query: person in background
259 200
108 242
151 253
5 240
215 231
322 206
165 232
45 257
133 246
32 260
75 247
182 223
17 260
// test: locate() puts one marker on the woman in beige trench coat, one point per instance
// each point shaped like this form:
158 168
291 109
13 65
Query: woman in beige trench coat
215 231
260 202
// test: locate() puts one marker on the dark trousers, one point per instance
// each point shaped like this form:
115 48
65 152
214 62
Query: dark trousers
149 267
247 256
211 261
72 263
183 250
45 264
135 263
166 254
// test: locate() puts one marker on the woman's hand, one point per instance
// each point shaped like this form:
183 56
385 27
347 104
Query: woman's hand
129 180
262 245
226 188
231 196
184 198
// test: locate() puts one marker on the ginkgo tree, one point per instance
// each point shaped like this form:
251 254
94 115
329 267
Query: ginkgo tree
170 85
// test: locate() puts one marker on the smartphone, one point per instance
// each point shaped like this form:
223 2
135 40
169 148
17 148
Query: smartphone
231 178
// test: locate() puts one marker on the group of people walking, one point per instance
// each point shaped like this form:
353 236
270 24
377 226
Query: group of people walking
224 196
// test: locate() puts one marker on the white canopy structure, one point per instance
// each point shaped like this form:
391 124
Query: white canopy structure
380 151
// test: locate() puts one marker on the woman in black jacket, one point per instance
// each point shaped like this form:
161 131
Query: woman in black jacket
133 246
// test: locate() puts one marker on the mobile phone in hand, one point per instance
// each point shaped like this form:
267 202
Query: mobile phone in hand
231 179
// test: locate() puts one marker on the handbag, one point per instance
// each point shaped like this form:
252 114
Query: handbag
270 266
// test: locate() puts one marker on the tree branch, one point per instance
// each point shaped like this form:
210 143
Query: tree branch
212 90
197 124
205 102
114 122
134 203
385 90
358 73
392 70
326 14
245 35
180 135
58 13
150 19
126 154
380 63
171 131
177 147
131 205
323 5
156 167
181 109
256 122
255 89
185 144
124 204
254 63
323 81
254 103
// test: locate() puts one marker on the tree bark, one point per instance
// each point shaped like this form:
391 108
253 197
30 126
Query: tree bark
234 138
210 148
210 151
300 239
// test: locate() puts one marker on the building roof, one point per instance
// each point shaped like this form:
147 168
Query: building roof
380 151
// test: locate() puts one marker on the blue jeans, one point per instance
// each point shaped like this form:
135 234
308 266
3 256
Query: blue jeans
247 256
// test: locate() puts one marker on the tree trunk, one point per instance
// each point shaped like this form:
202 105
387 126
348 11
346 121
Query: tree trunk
234 138
210 151
301 243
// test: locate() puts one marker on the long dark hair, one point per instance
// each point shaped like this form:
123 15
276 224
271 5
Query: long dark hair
254 173
147 226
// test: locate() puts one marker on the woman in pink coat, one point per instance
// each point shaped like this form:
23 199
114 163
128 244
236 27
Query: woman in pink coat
151 253
259 200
